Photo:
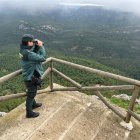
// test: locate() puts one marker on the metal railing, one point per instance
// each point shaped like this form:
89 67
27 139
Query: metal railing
135 86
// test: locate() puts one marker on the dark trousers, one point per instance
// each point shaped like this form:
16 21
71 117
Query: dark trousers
31 93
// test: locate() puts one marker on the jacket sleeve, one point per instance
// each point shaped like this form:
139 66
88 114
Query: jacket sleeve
42 52
32 56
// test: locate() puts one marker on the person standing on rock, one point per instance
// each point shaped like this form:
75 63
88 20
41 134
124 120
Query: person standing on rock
32 54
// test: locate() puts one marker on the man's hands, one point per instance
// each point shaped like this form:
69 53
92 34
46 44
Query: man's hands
38 42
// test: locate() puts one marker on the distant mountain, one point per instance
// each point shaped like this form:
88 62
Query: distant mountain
99 16
111 37
79 19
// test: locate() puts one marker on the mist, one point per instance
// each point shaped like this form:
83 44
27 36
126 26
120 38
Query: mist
28 6
34 6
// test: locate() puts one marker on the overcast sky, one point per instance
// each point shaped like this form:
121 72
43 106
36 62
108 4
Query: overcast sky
34 5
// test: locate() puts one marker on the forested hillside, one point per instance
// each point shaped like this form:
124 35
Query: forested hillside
110 37
94 37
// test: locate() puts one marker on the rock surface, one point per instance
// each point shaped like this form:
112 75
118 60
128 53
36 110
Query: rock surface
126 98
66 116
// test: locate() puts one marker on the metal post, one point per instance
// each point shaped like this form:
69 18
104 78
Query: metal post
51 75
132 103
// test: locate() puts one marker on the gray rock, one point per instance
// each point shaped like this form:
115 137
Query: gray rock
126 98
2 114
138 101
123 96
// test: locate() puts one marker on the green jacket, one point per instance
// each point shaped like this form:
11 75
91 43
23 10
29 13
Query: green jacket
31 60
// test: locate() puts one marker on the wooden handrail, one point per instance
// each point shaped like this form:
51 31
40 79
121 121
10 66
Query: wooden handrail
19 95
46 73
47 60
94 88
109 105
67 78
17 73
10 76
137 117
135 87
99 72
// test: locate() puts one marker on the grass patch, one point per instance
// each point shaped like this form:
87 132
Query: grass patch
11 104
124 104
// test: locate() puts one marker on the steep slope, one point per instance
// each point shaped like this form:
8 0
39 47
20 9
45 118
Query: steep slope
66 116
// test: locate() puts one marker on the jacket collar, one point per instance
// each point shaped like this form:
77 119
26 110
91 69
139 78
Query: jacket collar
25 47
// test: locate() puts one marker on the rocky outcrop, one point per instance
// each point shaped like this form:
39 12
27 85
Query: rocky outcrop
2 114
125 97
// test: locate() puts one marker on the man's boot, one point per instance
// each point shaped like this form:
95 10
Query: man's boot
32 114
36 105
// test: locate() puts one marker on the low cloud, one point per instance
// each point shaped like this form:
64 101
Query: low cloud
121 5
31 6
82 4
44 5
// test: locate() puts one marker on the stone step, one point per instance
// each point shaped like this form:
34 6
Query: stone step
87 125
16 126
53 128
111 129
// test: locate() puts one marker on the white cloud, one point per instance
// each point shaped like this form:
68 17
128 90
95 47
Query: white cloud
123 5
82 4
34 5
29 5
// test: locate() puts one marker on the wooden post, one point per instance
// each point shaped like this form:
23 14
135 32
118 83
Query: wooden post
136 116
51 75
132 103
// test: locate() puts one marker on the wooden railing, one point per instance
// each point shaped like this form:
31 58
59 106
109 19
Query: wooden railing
135 86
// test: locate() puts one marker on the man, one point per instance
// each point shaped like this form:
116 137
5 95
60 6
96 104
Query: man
32 54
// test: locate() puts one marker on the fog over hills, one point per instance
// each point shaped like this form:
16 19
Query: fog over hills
109 36
33 6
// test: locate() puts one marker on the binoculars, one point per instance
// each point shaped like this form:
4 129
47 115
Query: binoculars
36 42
